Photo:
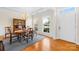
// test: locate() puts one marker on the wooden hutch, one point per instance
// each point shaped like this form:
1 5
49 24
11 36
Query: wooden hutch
18 22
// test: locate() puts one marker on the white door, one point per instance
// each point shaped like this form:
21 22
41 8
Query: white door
67 24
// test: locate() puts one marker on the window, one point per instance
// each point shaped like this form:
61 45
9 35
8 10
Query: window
46 24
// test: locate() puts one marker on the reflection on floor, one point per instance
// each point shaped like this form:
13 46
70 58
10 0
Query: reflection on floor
48 44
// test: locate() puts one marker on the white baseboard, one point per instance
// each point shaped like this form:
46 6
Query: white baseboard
77 43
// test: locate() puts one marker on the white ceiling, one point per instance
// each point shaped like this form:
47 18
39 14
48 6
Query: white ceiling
27 9
23 9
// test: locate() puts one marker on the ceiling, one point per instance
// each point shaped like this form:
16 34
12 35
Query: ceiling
23 9
27 9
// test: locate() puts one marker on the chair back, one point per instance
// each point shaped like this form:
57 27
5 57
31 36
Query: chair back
7 32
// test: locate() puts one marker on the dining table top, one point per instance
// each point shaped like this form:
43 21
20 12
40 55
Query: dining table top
18 31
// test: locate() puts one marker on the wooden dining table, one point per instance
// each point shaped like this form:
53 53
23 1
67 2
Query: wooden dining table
18 31
19 34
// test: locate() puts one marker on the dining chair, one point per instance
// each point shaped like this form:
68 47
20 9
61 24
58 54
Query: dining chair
30 33
9 34
25 34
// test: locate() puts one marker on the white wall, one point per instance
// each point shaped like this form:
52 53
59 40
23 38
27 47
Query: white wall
77 25
53 23
29 21
6 17
37 20
66 18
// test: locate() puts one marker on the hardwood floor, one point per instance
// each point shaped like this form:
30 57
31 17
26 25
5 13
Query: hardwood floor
49 44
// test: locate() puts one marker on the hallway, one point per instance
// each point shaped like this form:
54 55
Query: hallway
49 44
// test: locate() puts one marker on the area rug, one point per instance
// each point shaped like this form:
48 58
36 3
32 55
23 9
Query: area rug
18 46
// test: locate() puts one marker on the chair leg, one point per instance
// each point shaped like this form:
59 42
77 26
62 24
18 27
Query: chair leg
10 39
31 37
19 38
27 40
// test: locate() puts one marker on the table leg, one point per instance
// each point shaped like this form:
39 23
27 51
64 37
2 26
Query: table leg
10 39
19 37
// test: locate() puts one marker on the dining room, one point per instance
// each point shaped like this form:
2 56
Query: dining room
16 29
39 29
